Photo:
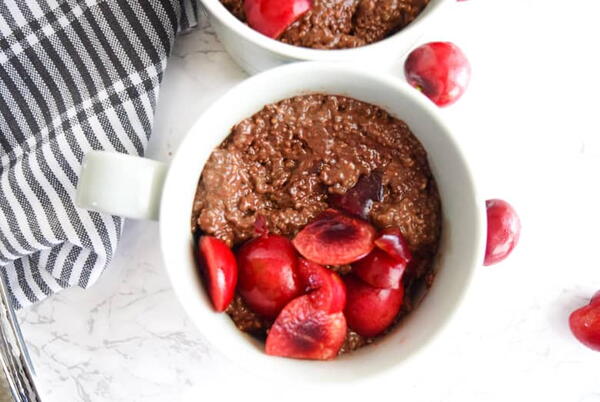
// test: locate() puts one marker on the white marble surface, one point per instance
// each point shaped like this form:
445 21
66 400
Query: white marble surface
529 123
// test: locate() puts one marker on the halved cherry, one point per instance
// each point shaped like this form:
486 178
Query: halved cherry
359 199
380 270
503 232
219 270
267 269
335 239
370 310
325 288
393 242
303 331
272 17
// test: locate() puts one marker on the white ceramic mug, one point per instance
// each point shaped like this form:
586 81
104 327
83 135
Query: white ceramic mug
255 52
132 186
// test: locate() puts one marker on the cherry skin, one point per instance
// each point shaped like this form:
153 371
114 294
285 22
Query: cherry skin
392 242
440 70
380 270
585 323
503 232
272 17
219 270
267 274
370 311
325 288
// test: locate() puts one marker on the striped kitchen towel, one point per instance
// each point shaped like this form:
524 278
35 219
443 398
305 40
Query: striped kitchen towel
75 75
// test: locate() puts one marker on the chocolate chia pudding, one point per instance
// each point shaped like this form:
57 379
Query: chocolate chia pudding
339 24
287 160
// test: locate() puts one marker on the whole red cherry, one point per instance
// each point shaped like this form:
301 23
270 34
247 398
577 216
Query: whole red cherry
267 274
440 70
503 231
585 323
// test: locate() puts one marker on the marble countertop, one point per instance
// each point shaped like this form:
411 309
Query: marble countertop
529 125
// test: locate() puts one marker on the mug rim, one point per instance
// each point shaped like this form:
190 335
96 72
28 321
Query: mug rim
218 10
197 305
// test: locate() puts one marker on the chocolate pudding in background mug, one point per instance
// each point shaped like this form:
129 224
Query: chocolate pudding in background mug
341 24
371 33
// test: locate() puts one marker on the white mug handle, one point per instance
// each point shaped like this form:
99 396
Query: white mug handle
120 184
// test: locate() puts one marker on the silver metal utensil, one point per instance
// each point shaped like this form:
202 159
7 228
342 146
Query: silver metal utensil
15 359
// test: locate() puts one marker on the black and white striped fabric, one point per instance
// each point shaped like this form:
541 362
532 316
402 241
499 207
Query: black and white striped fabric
75 75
